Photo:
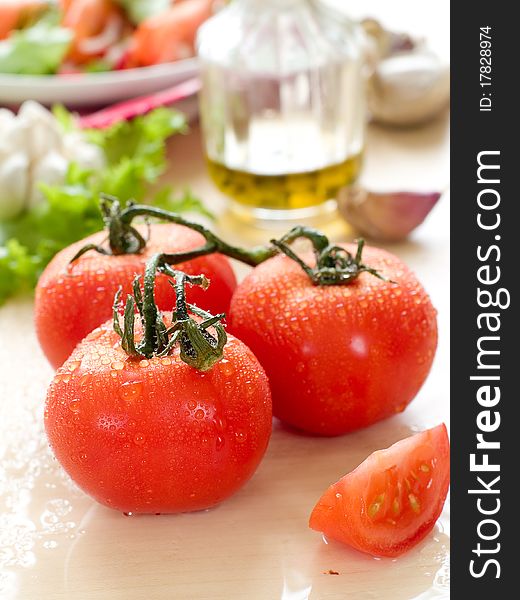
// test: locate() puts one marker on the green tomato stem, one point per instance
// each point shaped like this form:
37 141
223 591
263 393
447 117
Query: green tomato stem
198 348
334 264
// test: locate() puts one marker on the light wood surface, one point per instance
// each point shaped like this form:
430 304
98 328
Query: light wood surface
56 543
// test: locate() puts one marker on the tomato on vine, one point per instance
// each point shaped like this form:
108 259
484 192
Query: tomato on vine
75 292
346 334
159 412
344 344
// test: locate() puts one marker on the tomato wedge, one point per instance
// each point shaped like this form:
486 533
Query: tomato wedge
392 500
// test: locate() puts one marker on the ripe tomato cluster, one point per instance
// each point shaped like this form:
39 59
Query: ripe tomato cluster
157 411
72 299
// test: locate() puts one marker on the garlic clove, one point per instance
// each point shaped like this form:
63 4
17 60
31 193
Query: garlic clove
36 113
387 217
14 183
6 116
14 137
44 130
50 169
408 88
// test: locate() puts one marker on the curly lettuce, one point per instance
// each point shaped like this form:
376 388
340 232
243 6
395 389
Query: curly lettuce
135 158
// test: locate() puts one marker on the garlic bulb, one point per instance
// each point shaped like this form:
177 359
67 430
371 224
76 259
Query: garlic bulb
408 84
408 88
35 149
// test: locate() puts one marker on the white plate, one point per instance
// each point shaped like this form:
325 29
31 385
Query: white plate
94 89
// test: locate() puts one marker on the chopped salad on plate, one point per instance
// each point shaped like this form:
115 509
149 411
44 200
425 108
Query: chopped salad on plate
55 37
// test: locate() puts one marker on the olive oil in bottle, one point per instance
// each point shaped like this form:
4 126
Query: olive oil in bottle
284 192
282 104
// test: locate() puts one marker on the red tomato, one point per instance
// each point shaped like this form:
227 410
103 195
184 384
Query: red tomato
392 500
16 13
338 357
71 302
156 435
95 25
170 35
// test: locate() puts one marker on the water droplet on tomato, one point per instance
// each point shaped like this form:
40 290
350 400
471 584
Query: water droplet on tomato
220 442
96 334
226 367
128 514
131 390
240 436
139 439
74 405
117 365
144 363
73 365
166 361
220 423
84 379
199 414
192 405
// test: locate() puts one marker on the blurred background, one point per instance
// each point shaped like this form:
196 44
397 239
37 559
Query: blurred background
328 112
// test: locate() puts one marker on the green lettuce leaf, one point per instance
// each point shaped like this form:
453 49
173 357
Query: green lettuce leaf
37 50
18 269
136 156
143 136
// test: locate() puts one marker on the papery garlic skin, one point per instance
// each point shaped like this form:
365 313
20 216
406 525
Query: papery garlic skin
51 169
408 88
385 216
34 149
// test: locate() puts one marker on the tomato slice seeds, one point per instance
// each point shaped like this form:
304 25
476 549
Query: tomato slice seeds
392 500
